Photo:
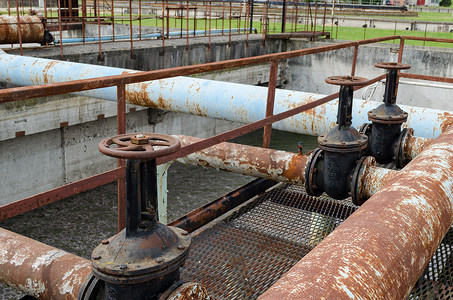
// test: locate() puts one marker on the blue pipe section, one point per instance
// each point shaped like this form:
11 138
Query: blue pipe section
148 35
221 100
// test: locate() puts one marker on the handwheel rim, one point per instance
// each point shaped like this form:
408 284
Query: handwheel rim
128 150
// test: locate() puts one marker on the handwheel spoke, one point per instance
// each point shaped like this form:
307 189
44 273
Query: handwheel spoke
122 141
149 147
159 143
131 148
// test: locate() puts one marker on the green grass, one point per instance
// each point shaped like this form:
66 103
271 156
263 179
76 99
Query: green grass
428 16
354 33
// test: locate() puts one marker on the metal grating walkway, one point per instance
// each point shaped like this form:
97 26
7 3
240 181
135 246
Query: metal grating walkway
243 255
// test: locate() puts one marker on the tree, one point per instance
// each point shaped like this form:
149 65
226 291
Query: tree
445 3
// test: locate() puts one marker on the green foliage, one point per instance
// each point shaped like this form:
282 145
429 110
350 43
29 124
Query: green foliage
445 3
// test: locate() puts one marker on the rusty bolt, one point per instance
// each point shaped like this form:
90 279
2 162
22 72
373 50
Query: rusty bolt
181 247
184 233
98 257
105 242
160 260
139 139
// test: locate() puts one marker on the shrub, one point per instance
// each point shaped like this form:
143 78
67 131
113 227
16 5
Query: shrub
445 3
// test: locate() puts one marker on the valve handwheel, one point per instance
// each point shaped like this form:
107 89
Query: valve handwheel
347 80
139 145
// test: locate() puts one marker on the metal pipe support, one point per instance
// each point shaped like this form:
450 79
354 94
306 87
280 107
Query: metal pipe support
220 100
40 270
380 251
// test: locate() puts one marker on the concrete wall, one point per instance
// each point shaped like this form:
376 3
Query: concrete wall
308 73
35 163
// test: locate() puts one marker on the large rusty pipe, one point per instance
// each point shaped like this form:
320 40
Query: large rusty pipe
248 160
380 251
221 100
40 270
32 29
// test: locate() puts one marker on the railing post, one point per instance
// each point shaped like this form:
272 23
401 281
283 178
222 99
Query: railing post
19 29
270 102
121 129
97 9
131 29
354 59
59 27
400 50
251 15
162 172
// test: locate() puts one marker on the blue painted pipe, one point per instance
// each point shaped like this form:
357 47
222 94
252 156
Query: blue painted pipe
146 36
221 100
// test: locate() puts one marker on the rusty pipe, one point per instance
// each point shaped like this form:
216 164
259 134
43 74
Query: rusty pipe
414 145
209 98
380 251
40 270
32 29
254 161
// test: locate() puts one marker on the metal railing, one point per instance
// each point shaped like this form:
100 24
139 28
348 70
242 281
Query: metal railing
21 93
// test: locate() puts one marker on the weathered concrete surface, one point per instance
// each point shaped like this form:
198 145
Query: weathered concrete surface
35 163
307 73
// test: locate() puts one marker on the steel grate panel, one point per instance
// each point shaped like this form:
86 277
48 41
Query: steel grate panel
243 255
436 281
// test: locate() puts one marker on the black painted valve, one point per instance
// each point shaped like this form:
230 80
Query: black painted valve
384 134
142 260
330 167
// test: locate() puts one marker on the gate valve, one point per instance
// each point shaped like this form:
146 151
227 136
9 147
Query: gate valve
330 166
143 259
385 136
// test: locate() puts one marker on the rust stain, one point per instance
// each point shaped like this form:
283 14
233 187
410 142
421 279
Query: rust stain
446 120
46 69
32 30
40 270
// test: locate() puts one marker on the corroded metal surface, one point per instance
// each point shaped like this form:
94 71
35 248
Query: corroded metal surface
31 29
188 291
139 145
40 270
210 211
62 192
380 251
414 146
259 162
371 179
